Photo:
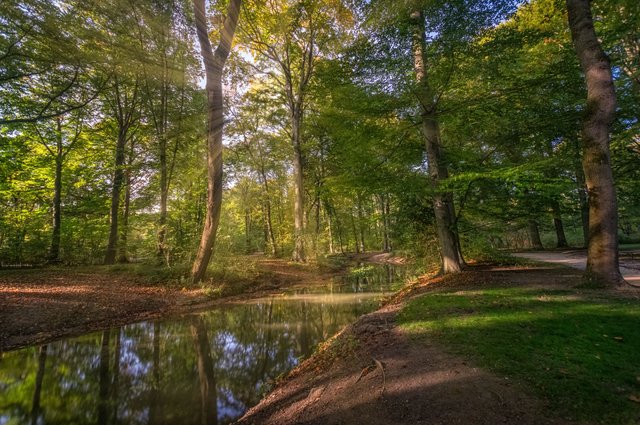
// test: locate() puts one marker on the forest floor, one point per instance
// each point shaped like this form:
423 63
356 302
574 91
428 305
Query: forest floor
483 357
41 305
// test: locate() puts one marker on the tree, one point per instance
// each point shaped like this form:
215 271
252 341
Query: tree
602 249
442 202
214 65
63 142
292 35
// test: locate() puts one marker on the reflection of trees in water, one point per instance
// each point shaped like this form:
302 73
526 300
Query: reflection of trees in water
35 405
160 373
208 394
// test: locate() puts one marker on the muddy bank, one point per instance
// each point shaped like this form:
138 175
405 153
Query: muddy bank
372 373
41 305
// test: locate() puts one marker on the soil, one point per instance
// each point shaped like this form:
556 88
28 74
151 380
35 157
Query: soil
38 306
372 373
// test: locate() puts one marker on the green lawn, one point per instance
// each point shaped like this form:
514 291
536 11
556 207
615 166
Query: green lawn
578 350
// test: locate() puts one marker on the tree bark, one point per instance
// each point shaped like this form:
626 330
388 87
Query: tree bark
442 202
361 225
557 223
534 235
384 207
602 248
123 256
116 189
582 196
54 252
298 188
125 107
214 66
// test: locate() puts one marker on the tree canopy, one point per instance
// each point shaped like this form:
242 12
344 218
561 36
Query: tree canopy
346 126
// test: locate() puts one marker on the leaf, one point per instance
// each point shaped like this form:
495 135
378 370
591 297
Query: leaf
635 398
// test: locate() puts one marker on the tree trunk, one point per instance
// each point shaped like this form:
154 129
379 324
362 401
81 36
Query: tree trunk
208 394
214 65
445 222
164 192
54 252
361 225
123 256
534 235
386 246
602 250
116 189
247 230
267 206
298 189
355 234
327 210
557 223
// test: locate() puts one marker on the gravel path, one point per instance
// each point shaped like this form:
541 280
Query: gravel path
630 268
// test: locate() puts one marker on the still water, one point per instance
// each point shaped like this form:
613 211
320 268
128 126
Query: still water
205 368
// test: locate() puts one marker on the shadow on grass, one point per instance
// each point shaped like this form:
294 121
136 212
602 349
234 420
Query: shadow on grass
577 349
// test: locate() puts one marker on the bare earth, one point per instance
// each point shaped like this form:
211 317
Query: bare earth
41 305
370 373
373 374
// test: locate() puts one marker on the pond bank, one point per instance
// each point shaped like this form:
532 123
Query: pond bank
372 372
42 305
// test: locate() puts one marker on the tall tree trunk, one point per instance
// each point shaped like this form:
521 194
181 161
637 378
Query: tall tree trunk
534 235
247 230
267 205
602 250
208 394
330 226
214 66
54 252
355 234
361 224
442 202
298 189
164 194
386 246
35 405
123 256
116 189
557 223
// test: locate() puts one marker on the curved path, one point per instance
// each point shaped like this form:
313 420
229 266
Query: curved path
577 259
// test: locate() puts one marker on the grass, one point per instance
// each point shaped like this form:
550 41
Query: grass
577 349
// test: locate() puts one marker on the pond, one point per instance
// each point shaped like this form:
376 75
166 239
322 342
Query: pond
204 368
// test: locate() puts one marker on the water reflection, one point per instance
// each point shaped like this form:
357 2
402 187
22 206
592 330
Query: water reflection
198 369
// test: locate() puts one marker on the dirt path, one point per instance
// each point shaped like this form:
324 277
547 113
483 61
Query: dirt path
41 305
577 259
372 373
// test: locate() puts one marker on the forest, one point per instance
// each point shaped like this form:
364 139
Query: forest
167 154
335 114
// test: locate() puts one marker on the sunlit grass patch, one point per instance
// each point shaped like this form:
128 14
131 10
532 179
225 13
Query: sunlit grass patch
579 350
